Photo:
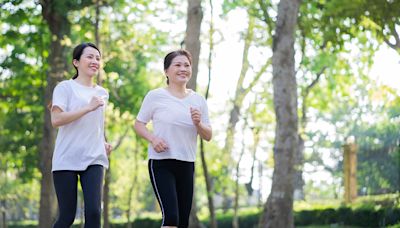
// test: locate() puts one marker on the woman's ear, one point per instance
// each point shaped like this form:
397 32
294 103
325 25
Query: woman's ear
75 62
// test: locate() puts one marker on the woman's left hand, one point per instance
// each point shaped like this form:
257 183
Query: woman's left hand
204 130
196 116
108 148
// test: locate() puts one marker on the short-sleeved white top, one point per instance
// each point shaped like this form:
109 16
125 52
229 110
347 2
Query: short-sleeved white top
81 142
172 122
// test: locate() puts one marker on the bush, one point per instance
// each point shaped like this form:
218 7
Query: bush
346 216
140 222
319 216
385 212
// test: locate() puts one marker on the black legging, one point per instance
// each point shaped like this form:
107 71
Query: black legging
172 182
66 186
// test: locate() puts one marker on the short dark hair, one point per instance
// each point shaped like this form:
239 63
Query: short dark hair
170 56
77 53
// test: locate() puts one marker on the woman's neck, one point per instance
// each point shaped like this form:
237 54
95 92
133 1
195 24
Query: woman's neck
85 80
178 90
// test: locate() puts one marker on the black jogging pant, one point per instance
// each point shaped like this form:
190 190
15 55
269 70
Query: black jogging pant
172 182
66 186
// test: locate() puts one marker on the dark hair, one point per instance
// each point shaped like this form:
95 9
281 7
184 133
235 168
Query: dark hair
170 56
77 53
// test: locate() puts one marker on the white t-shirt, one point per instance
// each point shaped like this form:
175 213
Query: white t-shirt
81 142
173 123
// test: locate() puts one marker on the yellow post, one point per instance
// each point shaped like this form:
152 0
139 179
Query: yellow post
350 172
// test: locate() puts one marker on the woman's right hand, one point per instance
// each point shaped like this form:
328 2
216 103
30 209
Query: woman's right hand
95 102
159 144
59 117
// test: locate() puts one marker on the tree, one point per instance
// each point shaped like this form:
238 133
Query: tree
192 44
278 210
192 38
207 177
379 17
55 13
127 51
241 92
20 102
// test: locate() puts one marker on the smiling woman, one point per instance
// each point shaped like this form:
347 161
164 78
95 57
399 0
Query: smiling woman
178 115
179 70
81 150
86 60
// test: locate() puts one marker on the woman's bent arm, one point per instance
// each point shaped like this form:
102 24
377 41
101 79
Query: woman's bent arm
204 131
142 130
157 143
60 118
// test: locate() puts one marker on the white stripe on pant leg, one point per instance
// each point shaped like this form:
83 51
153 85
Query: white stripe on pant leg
158 195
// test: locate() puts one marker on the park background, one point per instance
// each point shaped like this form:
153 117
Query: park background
340 90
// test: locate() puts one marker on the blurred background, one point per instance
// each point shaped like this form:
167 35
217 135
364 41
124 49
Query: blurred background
341 170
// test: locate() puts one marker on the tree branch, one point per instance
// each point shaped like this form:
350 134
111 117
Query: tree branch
121 139
395 34
305 95
267 19
258 75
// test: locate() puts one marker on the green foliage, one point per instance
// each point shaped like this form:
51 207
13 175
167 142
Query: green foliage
21 84
378 148
380 17
356 106
358 215
133 40
361 217
127 49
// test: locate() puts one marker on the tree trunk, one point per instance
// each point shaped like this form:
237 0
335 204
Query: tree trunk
99 77
235 219
209 188
207 178
48 207
106 190
298 180
194 221
55 13
278 210
256 137
107 176
107 180
192 44
59 27
260 176
192 39
134 181
3 210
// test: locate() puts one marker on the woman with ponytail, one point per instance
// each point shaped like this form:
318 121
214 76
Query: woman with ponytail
78 111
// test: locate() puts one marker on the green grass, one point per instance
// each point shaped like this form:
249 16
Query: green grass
329 226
